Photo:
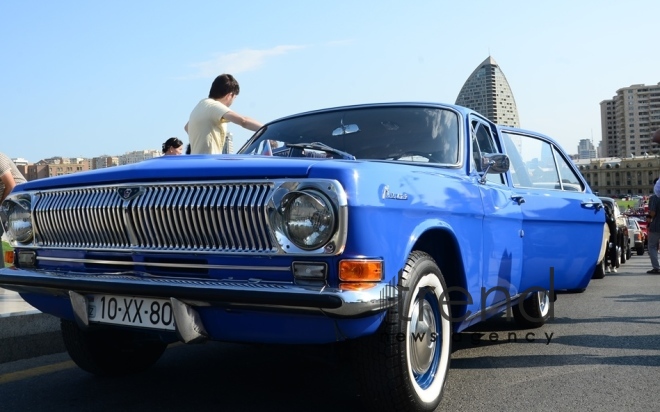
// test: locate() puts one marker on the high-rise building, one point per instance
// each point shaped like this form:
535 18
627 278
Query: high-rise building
229 143
586 150
488 92
628 121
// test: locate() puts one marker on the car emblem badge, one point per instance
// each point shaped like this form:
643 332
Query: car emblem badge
391 195
128 193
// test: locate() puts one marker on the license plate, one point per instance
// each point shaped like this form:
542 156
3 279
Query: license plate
131 311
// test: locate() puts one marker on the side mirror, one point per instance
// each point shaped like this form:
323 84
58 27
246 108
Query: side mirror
494 163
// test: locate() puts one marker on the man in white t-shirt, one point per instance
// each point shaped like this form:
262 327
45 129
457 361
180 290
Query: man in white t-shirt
10 176
207 126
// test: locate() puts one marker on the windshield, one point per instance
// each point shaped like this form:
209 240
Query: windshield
404 133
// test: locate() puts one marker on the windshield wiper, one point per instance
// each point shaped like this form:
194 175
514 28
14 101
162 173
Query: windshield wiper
322 147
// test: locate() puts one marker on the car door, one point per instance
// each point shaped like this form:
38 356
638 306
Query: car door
563 221
502 223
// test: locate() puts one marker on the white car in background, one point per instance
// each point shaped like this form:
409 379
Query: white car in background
636 236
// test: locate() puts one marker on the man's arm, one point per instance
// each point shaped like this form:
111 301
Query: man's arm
9 182
653 202
243 121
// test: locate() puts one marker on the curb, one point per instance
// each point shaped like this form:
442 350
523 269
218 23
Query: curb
29 334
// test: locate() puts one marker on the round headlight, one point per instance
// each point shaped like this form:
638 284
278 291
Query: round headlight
19 221
309 220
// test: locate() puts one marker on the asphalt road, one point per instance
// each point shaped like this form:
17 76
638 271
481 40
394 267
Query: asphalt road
600 352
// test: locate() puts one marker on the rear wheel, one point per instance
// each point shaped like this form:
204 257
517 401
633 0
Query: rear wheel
534 311
619 253
624 248
404 366
110 351
599 272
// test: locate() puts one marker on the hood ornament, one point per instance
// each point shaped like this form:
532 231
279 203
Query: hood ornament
128 193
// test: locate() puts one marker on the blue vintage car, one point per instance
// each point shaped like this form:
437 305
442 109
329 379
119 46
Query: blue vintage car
391 226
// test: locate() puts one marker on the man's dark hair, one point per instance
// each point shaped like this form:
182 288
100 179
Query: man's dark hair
223 85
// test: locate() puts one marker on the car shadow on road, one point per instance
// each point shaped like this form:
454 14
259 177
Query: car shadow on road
653 320
225 377
644 342
635 298
544 361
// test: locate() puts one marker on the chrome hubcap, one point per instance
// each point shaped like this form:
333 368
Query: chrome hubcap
421 340
544 303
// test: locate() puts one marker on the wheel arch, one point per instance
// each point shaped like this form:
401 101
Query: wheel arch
441 244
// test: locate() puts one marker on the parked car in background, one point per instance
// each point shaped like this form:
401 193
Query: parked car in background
621 240
643 224
389 226
635 235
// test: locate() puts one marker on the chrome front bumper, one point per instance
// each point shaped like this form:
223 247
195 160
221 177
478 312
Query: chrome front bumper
207 292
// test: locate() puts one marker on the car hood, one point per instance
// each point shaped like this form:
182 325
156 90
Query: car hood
192 168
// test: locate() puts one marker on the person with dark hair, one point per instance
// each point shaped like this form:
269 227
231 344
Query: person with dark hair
173 146
207 125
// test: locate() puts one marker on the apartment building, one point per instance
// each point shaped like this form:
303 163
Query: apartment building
628 121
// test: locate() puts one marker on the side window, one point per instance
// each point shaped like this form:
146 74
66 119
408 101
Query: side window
567 176
482 142
538 164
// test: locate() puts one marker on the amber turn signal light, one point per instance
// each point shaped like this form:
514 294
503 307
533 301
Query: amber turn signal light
9 257
360 270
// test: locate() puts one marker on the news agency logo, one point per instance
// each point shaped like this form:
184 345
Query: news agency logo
391 294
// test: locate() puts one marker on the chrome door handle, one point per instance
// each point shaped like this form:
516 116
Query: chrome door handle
592 203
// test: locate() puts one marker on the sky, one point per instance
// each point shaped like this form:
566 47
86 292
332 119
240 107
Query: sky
92 78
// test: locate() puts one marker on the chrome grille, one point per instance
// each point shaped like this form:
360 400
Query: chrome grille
173 217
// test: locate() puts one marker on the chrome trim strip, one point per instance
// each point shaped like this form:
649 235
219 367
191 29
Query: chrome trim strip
493 310
171 265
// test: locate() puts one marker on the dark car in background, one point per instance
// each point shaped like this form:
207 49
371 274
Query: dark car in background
621 238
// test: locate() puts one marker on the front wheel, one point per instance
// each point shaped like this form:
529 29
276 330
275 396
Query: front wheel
404 366
110 351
